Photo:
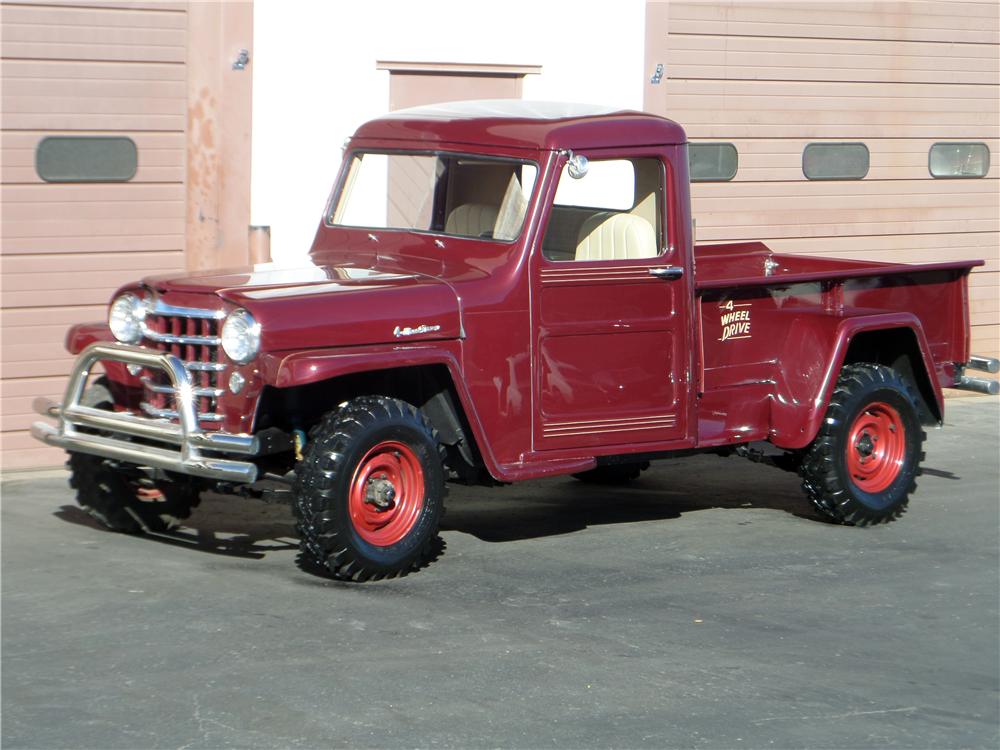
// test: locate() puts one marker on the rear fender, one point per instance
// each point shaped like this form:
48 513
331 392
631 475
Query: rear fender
809 366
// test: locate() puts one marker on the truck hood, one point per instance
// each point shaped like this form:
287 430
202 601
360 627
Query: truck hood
320 306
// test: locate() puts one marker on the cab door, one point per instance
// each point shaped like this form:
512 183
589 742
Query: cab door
612 359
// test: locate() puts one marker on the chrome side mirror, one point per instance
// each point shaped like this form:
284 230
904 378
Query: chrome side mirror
577 166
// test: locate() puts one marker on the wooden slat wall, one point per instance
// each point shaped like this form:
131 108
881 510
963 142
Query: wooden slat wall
89 68
899 76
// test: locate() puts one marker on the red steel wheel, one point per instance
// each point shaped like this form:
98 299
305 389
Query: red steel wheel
876 447
387 493
861 467
369 491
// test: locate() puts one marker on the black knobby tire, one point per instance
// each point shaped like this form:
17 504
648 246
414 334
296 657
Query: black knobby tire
846 473
339 532
613 474
117 495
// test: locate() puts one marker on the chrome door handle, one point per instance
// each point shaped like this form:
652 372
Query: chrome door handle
669 273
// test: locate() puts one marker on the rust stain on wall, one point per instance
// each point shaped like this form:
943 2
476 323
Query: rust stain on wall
203 234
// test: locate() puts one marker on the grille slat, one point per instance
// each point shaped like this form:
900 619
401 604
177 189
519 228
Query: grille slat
171 414
192 334
206 391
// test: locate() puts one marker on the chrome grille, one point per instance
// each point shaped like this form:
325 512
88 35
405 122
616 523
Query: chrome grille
193 335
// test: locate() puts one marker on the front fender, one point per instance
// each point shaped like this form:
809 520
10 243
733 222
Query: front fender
288 370
82 335
800 399
126 389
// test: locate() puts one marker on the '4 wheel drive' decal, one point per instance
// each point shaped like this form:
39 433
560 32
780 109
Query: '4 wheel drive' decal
735 321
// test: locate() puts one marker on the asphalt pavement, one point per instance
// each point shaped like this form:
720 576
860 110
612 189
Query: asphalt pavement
705 606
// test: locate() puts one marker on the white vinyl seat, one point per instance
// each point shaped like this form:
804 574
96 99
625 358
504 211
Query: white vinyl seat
472 220
613 236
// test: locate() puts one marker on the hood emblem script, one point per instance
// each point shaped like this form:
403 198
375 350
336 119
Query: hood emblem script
407 331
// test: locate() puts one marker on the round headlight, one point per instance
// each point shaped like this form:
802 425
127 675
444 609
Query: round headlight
125 318
241 336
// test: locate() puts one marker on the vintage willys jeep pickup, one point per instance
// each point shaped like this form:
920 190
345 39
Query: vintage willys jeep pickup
501 291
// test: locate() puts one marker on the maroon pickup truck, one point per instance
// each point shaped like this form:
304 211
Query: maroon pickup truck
501 291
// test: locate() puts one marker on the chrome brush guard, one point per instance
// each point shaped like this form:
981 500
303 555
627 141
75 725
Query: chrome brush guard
185 439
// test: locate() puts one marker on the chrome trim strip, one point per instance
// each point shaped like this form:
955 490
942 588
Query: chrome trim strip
579 432
204 366
197 390
186 434
580 280
575 270
599 426
602 275
591 272
154 411
162 308
613 422
170 338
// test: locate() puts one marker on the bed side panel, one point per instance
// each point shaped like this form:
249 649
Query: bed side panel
938 299
772 354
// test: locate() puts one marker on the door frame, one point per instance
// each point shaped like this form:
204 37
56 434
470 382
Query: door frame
677 251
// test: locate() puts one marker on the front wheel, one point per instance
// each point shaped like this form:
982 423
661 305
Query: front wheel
862 466
369 491
119 495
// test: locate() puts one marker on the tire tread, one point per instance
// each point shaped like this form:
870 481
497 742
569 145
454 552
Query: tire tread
324 542
824 486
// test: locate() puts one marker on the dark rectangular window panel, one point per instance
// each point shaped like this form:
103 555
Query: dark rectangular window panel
712 162
65 158
835 161
959 160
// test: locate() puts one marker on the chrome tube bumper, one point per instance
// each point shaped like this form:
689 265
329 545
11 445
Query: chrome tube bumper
979 385
185 441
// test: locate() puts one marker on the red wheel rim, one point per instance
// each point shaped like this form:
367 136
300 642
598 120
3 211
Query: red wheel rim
876 447
387 494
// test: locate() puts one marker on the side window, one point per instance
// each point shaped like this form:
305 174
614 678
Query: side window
958 160
613 211
66 158
712 162
835 161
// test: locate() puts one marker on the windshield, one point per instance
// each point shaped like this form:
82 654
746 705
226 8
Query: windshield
452 194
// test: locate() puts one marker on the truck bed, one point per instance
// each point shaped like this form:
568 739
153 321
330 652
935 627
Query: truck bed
754 264
774 329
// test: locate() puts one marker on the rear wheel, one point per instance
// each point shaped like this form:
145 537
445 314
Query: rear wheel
863 464
369 491
120 496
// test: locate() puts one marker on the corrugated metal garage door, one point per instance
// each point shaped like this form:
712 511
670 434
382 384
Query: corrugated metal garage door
91 68
899 76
